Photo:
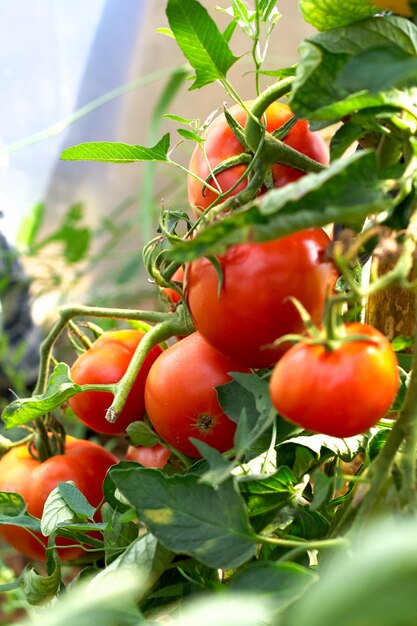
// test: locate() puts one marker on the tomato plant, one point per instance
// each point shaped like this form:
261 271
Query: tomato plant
106 362
148 456
307 445
251 308
83 462
220 144
327 390
181 399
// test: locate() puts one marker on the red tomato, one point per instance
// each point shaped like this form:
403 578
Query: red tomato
148 456
220 144
106 362
252 308
84 462
180 396
341 393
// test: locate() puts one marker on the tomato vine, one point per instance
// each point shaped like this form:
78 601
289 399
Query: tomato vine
267 473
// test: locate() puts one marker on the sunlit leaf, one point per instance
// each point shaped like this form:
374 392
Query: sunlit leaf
113 152
200 40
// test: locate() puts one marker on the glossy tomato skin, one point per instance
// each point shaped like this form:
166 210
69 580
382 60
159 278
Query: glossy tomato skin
106 362
84 462
221 144
149 456
252 309
180 396
340 393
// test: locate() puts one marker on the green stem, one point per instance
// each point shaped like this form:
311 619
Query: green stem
176 324
274 150
189 173
317 544
255 47
66 313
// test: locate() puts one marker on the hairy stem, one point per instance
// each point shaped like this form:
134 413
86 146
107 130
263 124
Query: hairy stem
69 312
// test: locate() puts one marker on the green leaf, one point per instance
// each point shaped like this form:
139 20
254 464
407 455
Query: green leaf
178 118
248 395
200 40
112 602
359 587
363 71
402 343
280 584
322 485
220 468
40 589
11 503
60 389
344 137
309 524
141 434
113 152
346 449
145 556
118 532
55 512
13 512
265 494
346 192
331 78
76 500
377 442
189 134
166 31
189 517
327 14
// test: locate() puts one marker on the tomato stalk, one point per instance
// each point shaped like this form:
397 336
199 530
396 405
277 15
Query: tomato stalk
255 172
66 313
49 439
178 324
274 150
336 542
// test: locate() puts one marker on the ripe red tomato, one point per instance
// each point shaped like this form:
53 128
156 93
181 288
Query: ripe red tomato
148 456
220 144
84 462
180 396
341 393
252 309
106 362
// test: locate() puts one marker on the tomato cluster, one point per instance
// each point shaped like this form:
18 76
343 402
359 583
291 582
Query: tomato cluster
83 462
242 305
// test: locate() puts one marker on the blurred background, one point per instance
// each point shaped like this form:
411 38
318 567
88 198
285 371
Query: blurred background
87 71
